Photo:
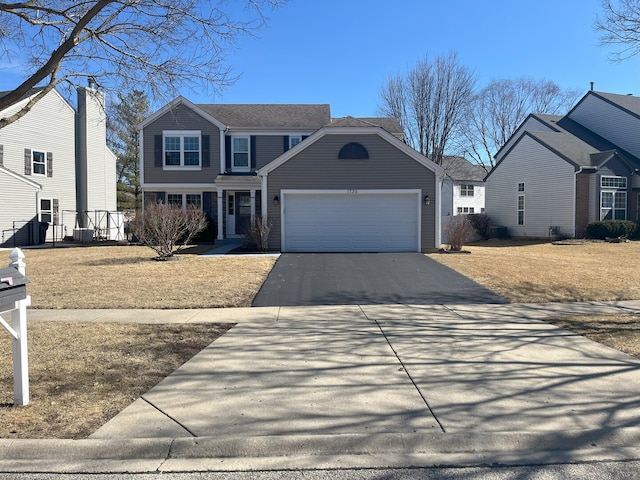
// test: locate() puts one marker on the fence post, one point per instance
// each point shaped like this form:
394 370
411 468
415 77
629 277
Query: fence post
20 349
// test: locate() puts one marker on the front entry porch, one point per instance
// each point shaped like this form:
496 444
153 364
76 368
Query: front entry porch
239 200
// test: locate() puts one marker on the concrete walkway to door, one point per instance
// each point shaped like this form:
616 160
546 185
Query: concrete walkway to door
367 279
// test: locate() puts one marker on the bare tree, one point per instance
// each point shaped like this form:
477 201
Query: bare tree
430 102
166 228
497 110
620 25
158 45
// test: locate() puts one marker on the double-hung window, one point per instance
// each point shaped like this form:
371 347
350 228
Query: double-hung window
613 198
466 190
185 200
182 149
520 209
240 154
38 163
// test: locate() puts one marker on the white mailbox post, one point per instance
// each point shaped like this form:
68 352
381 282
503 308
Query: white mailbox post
14 300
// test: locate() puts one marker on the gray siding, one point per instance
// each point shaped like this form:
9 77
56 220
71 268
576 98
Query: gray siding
268 148
181 118
610 122
318 168
549 191
530 124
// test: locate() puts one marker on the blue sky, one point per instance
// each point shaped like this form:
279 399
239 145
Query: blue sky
341 52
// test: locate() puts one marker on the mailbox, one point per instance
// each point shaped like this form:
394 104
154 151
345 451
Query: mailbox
13 286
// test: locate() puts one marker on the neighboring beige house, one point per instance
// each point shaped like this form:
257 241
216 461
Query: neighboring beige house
557 174
325 185
55 169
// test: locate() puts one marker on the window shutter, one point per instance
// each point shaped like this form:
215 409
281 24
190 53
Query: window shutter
253 151
227 153
206 162
206 204
1 155
27 161
56 211
157 151
49 164
285 143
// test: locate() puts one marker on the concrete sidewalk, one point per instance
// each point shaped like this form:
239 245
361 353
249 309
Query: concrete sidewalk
366 386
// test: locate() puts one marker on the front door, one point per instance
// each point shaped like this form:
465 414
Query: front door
238 212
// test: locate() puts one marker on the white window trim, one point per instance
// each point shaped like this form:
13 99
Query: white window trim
292 137
44 161
183 201
182 134
41 211
234 168
613 208
610 186
464 190
518 210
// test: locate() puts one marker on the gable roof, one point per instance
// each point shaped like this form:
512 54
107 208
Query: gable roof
270 116
350 126
460 169
630 103
31 92
390 124
17 176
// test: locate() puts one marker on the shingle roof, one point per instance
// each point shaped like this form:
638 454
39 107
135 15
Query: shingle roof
630 103
390 124
274 116
26 95
460 169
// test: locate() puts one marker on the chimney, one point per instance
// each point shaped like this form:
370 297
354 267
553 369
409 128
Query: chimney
592 83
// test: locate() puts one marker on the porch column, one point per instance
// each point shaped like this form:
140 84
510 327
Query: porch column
253 203
220 214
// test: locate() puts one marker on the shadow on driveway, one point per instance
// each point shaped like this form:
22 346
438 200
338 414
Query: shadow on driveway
367 278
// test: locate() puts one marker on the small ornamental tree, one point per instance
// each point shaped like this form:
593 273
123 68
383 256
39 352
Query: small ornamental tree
167 228
457 229
257 234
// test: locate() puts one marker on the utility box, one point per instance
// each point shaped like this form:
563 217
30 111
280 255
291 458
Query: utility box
498 231
13 287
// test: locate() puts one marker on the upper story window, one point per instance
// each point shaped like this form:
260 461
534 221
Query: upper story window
613 182
240 154
466 190
294 140
182 149
38 163
521 187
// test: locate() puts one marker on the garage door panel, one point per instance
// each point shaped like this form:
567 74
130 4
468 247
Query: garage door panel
363 222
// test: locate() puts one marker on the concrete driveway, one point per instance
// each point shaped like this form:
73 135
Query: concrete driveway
456 384
367 278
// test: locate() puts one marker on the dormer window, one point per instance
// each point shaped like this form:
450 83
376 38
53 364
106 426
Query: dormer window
353 151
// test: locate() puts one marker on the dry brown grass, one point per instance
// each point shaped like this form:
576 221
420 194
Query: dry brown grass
81 374
545 272
127 277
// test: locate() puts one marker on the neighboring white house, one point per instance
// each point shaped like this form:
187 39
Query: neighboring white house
49 172
463 189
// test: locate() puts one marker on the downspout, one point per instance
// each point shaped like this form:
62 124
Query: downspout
438 211
141 164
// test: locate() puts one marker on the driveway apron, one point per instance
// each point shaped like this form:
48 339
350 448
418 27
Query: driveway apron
391 369
366 279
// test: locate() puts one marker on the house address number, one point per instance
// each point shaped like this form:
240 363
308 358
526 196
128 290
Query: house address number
352 190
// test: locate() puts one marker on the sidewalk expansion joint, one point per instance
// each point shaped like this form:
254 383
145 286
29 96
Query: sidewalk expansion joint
168 416
406 371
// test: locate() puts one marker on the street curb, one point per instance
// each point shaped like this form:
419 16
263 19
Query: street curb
318 451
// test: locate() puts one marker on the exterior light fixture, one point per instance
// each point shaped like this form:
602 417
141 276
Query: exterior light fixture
276 200
427 200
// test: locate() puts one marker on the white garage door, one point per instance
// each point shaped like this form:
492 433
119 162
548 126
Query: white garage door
350 222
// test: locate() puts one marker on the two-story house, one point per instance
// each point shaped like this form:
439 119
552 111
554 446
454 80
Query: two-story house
55 168
323 184
557 174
